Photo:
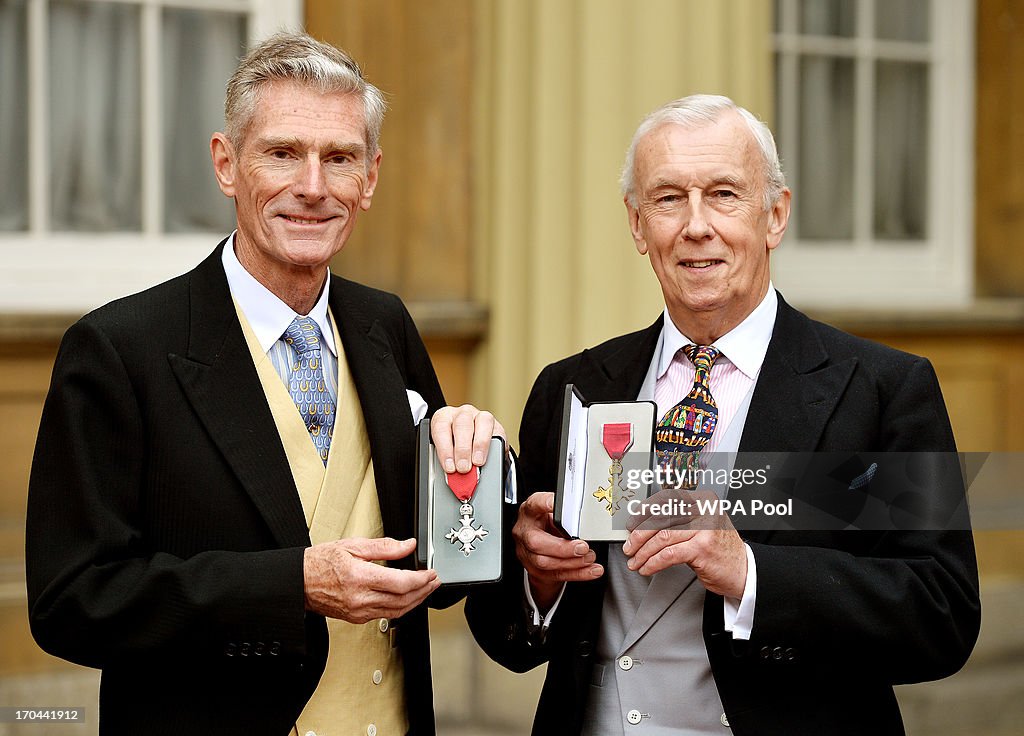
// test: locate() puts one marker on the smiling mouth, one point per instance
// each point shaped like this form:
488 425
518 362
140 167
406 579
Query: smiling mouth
306 220
700 264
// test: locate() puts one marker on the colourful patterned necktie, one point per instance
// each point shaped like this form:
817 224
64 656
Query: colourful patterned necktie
306 383
686 428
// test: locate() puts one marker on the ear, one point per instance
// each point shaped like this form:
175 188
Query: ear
778 219
633 214
223 155
371 181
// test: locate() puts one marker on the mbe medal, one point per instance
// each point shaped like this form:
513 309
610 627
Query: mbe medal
463 485
617 439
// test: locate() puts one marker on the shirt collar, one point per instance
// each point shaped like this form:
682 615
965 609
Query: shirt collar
744 346
267 314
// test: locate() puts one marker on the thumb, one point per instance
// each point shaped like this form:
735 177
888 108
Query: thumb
383 548
541 503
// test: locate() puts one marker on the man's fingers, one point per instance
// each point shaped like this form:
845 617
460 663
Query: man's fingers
538 541
538 505
441 434
383 548
547 563
636 539
373 604
462 436
583 574
393 581
654 543
483 430
463 428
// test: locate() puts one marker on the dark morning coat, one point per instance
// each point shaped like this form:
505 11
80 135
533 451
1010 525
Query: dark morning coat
841 616
165 534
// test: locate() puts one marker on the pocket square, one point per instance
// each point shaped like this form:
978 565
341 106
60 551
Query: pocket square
864 478
417 405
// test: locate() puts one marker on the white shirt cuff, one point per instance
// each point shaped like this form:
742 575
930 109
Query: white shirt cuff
543 620
511 488
739 614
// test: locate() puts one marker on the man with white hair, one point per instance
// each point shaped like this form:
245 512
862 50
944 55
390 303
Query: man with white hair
701 628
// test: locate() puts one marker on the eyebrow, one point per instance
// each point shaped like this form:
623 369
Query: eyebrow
725 179
353 147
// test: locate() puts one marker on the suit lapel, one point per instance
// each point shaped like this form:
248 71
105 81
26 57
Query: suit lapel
219 380
382 396
618 376
796 393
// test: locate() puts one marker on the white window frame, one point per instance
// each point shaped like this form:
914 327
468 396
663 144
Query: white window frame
865 272
69 273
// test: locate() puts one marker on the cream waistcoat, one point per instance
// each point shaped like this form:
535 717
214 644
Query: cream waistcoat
362 688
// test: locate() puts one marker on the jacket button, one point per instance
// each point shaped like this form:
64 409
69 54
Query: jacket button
625 663
230 650
766 652
275 648
634 716
259 649
724 720
777 653
584 648
791 654
383 625
244 649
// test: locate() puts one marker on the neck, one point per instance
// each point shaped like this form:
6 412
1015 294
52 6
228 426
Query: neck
703 327
300 295
297 286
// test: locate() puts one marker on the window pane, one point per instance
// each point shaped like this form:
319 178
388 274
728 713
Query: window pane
824 204
902 20
828 18
901 150
13 116
200 51
95 142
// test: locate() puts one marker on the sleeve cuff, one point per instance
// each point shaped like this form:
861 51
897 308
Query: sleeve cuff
539 620
739 614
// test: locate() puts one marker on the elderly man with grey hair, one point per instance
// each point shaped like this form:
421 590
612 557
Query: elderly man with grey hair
219 506
700 628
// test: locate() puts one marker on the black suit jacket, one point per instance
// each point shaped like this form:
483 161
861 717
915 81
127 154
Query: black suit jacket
165 534
841 616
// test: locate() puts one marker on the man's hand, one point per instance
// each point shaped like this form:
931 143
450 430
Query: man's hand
343 581
549 558
462 436
709 544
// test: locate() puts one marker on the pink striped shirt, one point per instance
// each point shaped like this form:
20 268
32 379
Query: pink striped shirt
733 374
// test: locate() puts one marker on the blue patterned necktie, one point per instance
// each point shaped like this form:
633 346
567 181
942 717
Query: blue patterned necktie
306 383
686 428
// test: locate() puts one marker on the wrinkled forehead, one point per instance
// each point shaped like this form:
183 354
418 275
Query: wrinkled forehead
725 143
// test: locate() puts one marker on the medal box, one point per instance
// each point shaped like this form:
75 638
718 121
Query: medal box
605 448
459 517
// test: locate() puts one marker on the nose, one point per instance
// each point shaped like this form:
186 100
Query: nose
310 183
697 226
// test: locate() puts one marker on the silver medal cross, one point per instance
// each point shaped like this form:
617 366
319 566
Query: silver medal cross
467 533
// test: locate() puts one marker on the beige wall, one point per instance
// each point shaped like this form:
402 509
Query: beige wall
560 87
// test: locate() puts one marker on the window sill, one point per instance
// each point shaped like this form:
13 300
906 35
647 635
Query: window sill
983 316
